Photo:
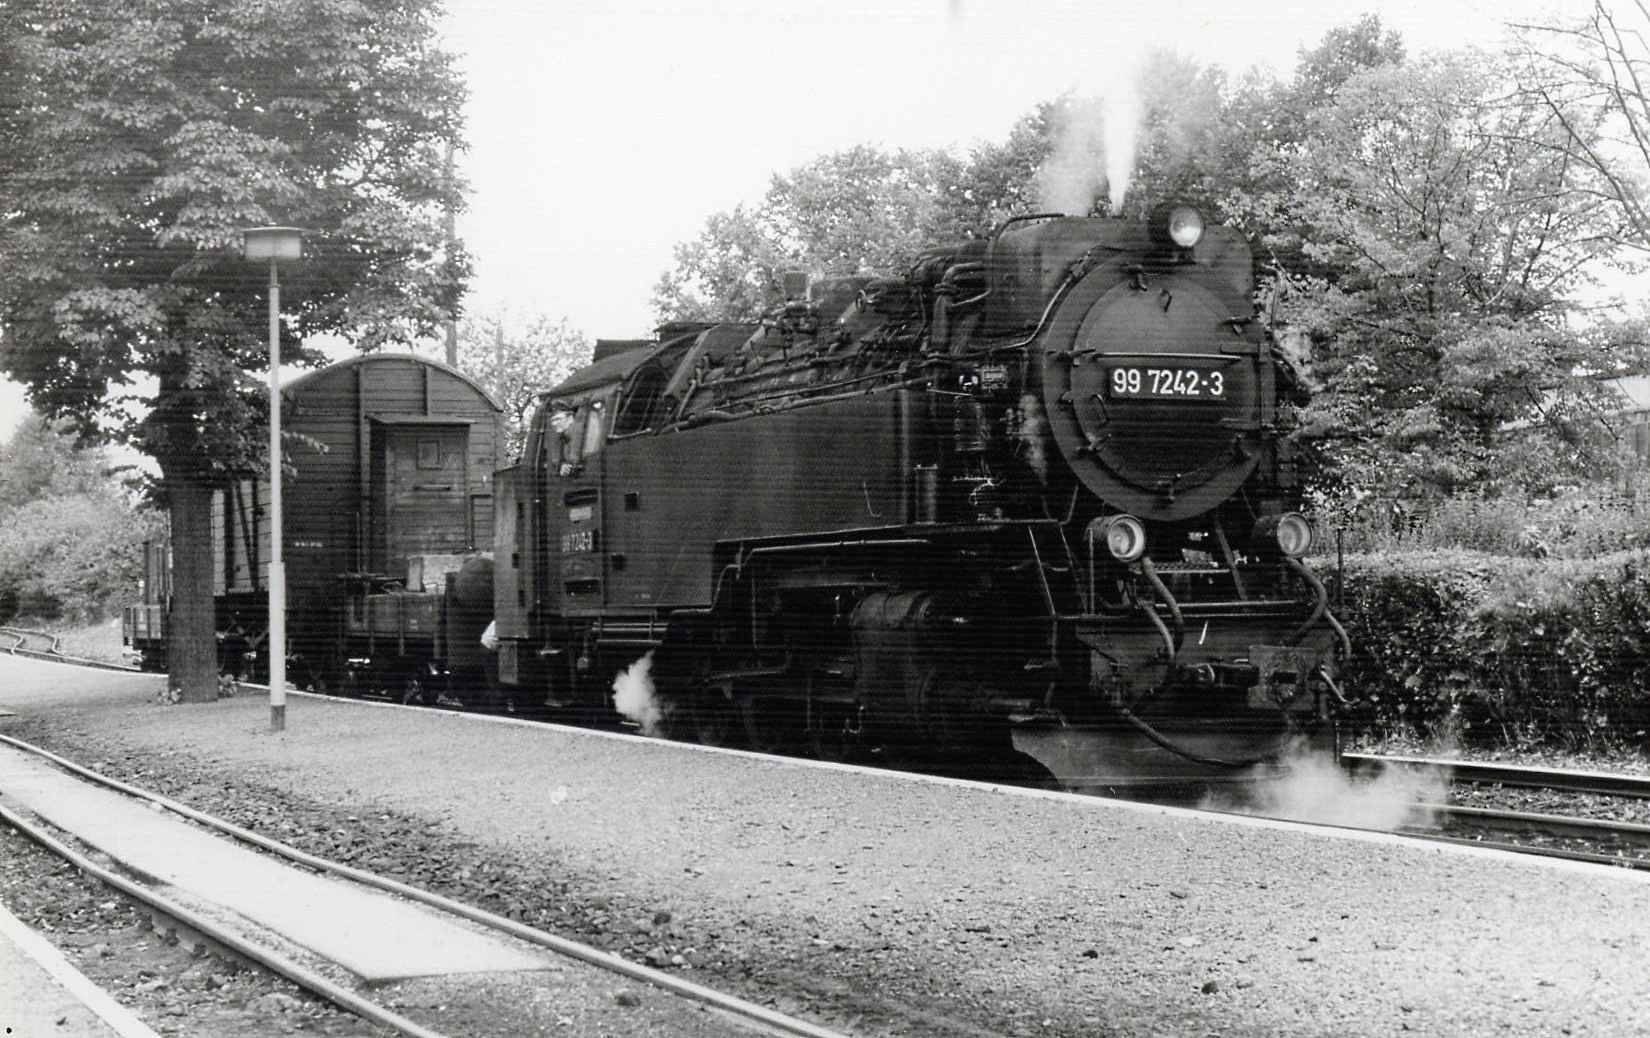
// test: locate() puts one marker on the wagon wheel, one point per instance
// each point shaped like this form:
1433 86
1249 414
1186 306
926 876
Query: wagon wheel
315 679
349 685
414 692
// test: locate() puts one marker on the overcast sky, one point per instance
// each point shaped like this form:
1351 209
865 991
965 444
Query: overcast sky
602 133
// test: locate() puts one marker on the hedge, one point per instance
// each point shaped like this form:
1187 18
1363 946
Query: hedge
1464 644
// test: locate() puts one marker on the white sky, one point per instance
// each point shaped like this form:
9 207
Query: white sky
602 133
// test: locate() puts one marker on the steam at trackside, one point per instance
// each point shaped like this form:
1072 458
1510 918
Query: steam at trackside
633 695
1311 787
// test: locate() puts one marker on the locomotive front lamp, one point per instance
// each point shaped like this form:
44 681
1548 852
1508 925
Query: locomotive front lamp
275 245
1290 531
1185 226
1125 536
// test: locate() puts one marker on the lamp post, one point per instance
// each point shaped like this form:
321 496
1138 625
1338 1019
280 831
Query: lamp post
275 244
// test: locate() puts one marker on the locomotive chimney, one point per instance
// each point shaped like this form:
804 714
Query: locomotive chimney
794 285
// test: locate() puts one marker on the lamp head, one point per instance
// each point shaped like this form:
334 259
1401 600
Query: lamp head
272 243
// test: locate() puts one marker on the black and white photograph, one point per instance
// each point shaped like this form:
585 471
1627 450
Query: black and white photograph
898 519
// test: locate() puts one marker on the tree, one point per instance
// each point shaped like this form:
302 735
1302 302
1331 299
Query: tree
1444 254
136 141
1001 178
516 360
850 212
71 532
1345 51
1593 77
41 460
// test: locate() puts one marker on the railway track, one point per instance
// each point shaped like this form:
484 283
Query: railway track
42 645
214 930
1602 842
1599 783
1572 836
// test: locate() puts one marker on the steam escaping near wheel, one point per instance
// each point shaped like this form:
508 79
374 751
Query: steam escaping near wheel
633 695
1311 787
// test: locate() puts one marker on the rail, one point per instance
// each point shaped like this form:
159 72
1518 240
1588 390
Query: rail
1450 820
20 638
1601 783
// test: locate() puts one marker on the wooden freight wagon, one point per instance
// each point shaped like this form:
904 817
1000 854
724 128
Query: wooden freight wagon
388 488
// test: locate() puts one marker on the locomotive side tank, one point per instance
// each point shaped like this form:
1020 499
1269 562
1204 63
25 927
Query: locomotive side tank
1034 496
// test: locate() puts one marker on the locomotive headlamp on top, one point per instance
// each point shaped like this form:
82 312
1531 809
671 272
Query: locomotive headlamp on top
1181 225
1125 536
1290 532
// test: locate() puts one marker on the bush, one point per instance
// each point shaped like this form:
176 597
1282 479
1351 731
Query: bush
1526 650
1579 523
74 556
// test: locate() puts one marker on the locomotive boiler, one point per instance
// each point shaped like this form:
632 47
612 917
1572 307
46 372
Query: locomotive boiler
1034 497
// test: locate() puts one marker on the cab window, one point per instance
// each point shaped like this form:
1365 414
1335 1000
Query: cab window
593 417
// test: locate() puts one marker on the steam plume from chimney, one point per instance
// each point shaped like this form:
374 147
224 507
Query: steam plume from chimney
1094 146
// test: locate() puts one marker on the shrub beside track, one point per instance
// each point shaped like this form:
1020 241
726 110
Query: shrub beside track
1466 644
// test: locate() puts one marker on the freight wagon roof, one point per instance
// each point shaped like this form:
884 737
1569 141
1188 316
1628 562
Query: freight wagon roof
298 386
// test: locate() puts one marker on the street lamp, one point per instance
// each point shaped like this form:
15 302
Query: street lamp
275 244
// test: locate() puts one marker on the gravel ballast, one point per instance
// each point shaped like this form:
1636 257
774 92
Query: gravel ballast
886 905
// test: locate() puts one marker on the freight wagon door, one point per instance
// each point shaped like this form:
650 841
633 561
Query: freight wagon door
420 504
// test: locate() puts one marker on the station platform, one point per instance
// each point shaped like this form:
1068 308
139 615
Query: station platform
42 993
377 937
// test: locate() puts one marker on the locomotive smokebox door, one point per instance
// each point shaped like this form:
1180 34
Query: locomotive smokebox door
1152 394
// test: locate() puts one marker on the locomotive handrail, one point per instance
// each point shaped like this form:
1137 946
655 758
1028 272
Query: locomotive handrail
1226 552
868 542
1261 607
799 397
991 255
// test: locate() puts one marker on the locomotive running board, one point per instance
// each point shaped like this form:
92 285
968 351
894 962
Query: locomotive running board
1095 758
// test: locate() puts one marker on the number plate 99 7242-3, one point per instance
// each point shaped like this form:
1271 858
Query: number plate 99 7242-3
1148 383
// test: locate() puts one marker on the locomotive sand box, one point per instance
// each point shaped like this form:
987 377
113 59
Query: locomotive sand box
1034 498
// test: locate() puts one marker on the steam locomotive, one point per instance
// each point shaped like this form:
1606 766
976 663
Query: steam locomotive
1034 497
1032 500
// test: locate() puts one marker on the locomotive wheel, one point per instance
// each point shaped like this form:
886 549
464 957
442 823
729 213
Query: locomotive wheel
834 733
711 719
765 723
